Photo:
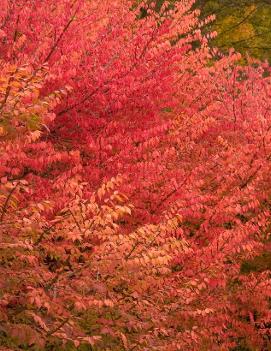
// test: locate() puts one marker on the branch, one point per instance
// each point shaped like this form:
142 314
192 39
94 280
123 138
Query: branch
76 222
61 36
46 231
93 92
8 90
241 22
132 250
58 327
5 206
246 39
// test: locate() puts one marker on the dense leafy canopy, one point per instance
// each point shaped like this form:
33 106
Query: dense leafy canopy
135 181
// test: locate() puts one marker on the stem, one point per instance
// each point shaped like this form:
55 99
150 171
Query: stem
75 221
58 327
5 206
61 36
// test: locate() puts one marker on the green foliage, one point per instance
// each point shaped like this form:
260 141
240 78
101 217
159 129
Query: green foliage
244 25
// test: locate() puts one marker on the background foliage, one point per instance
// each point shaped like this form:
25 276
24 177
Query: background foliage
244 25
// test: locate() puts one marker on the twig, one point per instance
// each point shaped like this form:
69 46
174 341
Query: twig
58 327
5 206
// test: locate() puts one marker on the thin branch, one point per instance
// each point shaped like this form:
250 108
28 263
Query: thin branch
58 327
76 222
5 206
8 90
93 92
61 36
246 39
241 22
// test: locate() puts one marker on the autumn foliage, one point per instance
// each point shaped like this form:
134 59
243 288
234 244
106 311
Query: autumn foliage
135 182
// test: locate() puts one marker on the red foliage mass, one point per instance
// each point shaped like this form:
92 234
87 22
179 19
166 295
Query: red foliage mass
135 181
